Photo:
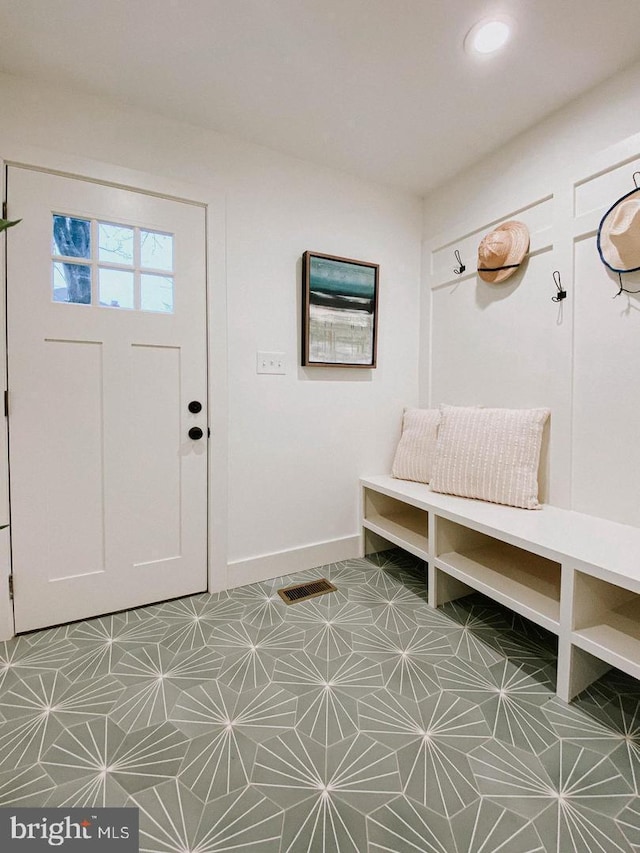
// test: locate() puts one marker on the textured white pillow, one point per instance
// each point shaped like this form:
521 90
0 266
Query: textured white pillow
417 446
492 454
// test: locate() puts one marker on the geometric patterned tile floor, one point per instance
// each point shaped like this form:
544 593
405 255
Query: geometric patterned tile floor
360 721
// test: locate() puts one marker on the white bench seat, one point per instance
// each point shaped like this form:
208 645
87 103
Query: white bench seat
574 574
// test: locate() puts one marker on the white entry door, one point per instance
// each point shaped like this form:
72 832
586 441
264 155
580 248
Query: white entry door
106 312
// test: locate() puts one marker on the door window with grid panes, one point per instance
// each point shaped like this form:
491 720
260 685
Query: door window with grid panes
111 265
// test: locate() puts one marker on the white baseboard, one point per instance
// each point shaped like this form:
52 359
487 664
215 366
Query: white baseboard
267 566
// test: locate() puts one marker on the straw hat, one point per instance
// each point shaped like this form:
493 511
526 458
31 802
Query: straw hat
619 234
502 251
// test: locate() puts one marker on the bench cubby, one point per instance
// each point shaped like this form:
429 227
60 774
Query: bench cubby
575 575
521 580
397 521
606 622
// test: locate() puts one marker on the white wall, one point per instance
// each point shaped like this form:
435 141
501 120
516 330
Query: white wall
509 345
296 443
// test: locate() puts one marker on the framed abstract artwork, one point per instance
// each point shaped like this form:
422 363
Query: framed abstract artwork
339 311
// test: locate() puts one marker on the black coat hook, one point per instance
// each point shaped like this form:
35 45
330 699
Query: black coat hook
461 267
636 175
562 294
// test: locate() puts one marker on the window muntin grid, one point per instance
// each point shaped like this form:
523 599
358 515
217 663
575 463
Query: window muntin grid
112 265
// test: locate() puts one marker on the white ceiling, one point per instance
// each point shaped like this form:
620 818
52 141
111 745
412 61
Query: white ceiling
377 88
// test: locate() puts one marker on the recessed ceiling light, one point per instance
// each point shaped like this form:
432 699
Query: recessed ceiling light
487 36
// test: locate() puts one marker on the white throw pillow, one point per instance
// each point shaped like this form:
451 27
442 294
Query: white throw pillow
492 454
417 446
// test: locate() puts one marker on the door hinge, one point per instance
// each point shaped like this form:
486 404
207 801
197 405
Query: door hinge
11 587
6 404
4 210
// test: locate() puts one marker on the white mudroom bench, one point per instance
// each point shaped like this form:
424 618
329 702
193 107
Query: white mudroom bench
575 575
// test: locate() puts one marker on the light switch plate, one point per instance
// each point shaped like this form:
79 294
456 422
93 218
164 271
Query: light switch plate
271 362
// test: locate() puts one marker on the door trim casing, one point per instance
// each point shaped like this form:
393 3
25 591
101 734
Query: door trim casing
214 202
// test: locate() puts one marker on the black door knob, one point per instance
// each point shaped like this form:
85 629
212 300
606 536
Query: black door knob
195 433
195 406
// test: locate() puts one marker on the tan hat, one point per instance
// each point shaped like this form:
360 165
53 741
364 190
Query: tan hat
502 251
619 234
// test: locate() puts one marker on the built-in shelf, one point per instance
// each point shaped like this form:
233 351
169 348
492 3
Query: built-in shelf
400 531
607 622
519 579
573 574
399 522
522 581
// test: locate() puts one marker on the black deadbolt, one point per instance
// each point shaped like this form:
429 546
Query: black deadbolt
195 406
195 433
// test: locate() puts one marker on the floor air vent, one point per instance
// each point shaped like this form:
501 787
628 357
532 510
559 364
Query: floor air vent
303 591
